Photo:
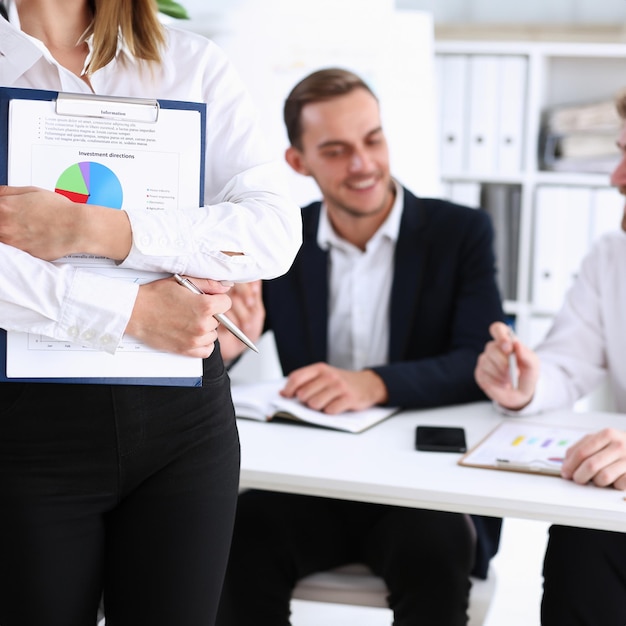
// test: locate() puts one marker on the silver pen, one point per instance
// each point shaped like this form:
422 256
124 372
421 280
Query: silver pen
513 371
220 317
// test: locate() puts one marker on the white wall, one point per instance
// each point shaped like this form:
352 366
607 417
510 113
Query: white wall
275 43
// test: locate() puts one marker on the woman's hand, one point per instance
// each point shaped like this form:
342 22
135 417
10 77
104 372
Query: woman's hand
49 226
169 317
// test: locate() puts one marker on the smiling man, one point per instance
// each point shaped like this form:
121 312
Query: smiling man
389 301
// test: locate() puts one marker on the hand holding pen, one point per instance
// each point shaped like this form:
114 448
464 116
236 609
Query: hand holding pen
507 370
170 319
220 317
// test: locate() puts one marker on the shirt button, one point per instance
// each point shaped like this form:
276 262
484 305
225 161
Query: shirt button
73 331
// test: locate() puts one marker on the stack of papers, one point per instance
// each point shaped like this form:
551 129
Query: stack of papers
581 137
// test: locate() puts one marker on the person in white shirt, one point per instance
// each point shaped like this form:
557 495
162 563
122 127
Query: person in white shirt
584 569
127 491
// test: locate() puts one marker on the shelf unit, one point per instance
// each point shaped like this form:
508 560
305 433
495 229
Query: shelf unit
554 74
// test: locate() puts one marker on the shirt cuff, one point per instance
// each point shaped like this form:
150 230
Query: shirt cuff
97 310
165 243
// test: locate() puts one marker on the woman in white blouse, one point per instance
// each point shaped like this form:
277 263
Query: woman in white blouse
127 490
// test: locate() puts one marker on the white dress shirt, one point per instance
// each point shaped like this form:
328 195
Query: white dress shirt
588 338
247 206
359 292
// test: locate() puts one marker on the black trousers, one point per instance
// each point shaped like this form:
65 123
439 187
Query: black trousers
128 491
584 578
425 557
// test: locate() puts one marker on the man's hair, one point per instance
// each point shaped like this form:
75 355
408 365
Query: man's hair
321 85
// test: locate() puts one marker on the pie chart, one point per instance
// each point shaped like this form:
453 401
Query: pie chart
88 182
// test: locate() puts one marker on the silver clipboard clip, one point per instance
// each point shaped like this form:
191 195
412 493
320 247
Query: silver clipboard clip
109 107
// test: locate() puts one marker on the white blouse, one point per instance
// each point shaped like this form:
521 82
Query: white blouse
246 203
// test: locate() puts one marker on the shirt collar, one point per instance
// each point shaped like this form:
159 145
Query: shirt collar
18 52
327 237
14 18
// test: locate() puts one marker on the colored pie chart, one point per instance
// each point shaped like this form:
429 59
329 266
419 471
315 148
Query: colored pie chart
91 183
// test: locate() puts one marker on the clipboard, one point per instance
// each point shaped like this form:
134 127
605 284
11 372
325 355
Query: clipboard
520 446
136 111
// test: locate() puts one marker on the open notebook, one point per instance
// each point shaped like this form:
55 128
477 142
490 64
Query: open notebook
262 401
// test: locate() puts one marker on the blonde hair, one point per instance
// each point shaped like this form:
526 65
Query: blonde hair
136 21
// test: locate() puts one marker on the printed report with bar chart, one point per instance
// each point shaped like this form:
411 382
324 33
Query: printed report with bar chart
522 446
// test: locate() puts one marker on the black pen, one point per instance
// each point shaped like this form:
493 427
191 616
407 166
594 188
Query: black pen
220 317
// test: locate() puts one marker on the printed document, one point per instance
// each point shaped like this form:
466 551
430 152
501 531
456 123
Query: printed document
524 446
119 161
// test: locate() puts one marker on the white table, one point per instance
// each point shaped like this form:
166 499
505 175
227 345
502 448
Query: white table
382 465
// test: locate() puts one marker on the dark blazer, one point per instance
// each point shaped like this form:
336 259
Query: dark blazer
443 298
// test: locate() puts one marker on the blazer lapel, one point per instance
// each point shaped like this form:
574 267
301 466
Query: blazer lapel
410 258
314 282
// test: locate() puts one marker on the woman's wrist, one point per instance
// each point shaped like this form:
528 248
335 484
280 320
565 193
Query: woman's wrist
105 232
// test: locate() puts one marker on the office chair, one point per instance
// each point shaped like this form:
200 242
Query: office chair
356 585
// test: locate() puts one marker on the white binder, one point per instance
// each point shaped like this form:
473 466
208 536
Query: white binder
483 98
561 236
452 94
511 104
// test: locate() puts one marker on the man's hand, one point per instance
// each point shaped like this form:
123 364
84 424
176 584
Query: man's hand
492 371
248 313
332 390
49 226
169 317
599 458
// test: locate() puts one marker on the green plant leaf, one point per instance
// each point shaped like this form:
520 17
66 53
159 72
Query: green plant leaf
173 9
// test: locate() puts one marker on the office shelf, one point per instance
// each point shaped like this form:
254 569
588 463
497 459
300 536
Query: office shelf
493 102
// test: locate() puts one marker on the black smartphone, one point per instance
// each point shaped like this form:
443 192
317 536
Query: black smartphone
440 439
